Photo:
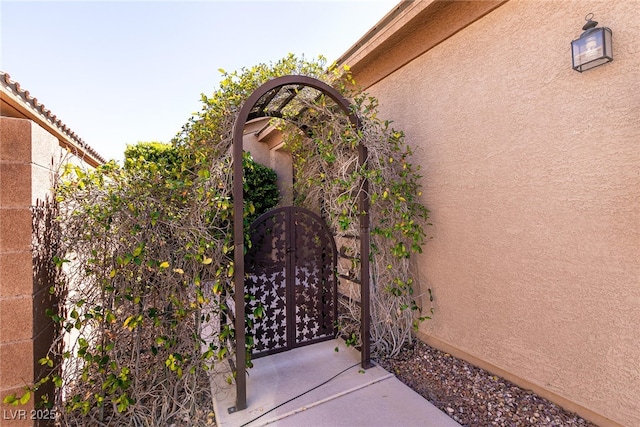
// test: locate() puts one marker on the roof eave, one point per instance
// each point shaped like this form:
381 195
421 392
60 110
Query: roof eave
409 30
20 100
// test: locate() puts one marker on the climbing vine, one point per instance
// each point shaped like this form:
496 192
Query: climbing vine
145 259
147 249
328 178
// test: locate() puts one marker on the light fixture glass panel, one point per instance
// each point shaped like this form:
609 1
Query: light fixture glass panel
593 48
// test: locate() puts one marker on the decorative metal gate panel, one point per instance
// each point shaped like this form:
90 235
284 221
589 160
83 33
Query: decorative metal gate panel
290 276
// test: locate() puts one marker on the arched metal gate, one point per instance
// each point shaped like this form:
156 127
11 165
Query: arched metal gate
270 100
291 280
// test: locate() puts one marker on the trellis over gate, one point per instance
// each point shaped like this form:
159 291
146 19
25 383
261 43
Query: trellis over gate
269 100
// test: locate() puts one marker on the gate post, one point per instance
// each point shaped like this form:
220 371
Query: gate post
365 295
238 264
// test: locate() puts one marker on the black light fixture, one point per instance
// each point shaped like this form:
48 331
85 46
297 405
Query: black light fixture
593 47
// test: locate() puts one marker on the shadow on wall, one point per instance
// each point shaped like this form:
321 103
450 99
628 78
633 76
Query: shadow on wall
47 293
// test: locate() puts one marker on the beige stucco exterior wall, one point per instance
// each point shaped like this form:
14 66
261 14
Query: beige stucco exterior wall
265 144
532 175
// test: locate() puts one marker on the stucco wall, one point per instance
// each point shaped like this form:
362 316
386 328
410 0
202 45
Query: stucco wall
532 174
265 144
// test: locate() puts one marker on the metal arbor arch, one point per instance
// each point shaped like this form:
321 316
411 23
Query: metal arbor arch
284 90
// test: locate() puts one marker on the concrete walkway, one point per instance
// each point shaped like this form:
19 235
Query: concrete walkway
323 385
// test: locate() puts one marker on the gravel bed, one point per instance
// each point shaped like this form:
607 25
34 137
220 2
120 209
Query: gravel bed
472 396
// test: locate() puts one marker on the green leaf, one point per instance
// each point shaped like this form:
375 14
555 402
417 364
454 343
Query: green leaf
10 399
138 250
25 397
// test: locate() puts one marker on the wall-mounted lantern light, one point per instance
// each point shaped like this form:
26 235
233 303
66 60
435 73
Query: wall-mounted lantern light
593 47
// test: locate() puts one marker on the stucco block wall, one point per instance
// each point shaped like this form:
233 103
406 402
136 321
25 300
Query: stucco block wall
16 286
27 155
532 174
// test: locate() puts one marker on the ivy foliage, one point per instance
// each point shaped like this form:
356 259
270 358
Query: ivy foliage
260 187
146 252
328 177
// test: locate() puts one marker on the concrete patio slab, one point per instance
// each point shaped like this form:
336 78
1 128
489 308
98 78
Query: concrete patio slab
323 385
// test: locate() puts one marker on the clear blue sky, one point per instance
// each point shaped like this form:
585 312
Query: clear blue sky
120 72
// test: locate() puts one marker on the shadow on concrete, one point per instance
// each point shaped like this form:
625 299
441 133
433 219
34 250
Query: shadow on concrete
322 385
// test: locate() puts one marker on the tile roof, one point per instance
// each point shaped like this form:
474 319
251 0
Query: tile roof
46 115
